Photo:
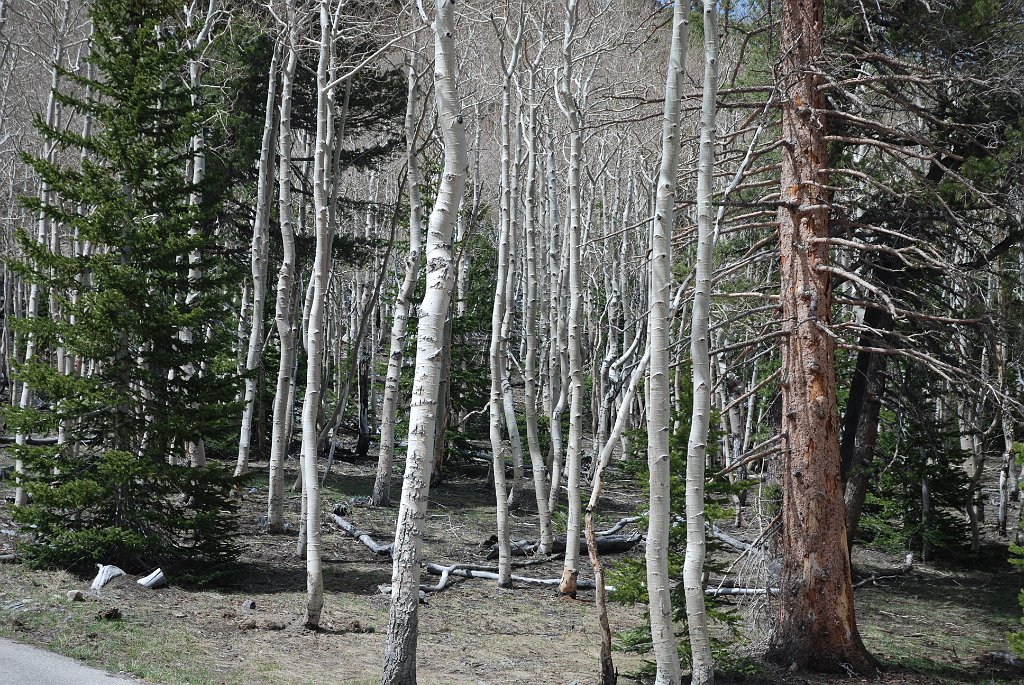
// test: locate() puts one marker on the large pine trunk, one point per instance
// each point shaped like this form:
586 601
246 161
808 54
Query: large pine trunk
817 627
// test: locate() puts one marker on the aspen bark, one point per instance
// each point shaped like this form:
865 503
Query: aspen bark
284 310
400 652
315 341
658 393
497 360
540 484
382 483
703 671
569 106
259 254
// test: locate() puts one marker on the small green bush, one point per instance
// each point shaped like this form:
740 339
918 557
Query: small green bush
135 513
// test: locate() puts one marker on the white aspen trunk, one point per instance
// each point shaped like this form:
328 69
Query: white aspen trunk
574 116
259 253
382 483
515 492
658 419
559 364
540 484
195 446
703 669
284 311
400 653
317 310
496 356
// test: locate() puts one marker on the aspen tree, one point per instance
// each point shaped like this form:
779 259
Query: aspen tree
315 336
658 586
574 116
195 448
284 308
400 652
259 252
498 316
558 362
703 670
382 483
540 484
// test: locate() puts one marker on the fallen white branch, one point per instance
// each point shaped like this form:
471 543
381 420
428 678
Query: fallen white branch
105 575
363 536
730 540
153 580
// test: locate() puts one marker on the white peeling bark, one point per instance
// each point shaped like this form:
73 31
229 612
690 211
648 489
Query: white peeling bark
703 668
569 106
400 652
540 484
658 586
382 483
259 252
317 310
284 311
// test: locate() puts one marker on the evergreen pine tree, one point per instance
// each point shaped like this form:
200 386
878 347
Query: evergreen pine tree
114 491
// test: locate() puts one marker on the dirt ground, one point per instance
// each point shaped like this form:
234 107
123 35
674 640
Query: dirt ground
937 624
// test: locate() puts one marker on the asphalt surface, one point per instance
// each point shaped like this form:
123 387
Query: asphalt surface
24 665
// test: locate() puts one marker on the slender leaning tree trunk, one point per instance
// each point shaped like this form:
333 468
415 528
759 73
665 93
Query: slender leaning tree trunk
259 253
703 670
658 330
574 445
540 483
497 360
400 653
315 336
284 315
382 483
817 627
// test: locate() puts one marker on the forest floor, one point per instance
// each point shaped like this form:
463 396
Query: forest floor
937 624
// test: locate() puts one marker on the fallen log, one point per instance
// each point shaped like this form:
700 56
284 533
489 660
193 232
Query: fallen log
720 591
363 536
730 540
908 565
491 572
606 544
622 523
469 571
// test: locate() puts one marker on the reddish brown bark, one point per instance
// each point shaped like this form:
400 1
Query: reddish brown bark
817 627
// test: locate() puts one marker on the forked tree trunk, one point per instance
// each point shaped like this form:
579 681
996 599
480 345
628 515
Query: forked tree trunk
658 330
400 653
817 626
